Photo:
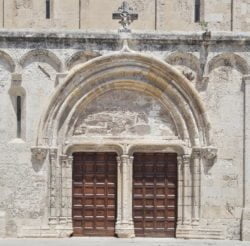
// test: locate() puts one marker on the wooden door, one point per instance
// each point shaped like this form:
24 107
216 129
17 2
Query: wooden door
94 194
155 194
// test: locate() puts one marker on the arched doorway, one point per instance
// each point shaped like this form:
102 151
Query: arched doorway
125 103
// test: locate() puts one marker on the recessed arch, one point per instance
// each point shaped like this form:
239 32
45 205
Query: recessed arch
131 71
229 60
185 59
7 61
80 57
41 55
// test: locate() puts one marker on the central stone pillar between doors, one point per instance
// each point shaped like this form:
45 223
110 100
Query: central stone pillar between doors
125 225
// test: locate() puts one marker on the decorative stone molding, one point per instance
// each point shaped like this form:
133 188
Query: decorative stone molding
16 79
39 153
139 81
53 153
53 187
209 153
59 78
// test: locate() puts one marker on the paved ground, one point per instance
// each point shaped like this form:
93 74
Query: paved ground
116 242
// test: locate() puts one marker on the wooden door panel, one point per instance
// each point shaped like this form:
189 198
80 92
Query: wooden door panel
155 194
94 194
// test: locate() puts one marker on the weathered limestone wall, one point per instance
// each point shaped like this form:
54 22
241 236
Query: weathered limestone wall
161 15
218 14
241 16
215 68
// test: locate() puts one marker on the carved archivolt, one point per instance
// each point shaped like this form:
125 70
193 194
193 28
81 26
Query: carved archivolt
124 72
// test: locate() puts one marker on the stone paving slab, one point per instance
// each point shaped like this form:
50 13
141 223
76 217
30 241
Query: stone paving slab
117 242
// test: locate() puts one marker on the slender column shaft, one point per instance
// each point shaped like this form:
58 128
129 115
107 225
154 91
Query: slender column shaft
63 190
187 191
124 225
196 187
69 189
58 188
119 191
180 190
52 187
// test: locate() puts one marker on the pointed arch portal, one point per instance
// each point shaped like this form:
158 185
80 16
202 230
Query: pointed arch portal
125 103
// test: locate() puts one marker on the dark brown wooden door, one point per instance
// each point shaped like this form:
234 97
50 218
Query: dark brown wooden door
94 194
155 194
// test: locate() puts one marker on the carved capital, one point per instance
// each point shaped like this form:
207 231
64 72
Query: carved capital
64 160
39 153
125 159
118 158
70 160
179 160
209 153
246 79
196 153
16 79
53 153
186 159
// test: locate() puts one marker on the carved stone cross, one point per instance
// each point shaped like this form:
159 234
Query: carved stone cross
126 15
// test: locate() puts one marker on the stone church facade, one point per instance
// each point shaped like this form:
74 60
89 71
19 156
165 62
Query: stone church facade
142 133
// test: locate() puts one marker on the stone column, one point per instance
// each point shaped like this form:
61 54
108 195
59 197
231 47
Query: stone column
119 193
63 189
52 188
66 190
196 155
125 225
69 181
180 191
187 191
246 172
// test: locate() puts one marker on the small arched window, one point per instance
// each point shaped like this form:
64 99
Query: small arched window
47 9
197 11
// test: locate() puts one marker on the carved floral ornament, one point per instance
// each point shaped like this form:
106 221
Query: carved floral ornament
39 153
207 153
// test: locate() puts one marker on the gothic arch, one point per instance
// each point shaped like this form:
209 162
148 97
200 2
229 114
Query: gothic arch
229 60
7 61
125 71
41 55
80 57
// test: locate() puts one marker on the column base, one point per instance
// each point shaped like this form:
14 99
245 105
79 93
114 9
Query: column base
245 233
45 232
125 230
198 232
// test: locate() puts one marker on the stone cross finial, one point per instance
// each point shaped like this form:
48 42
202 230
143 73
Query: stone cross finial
126 15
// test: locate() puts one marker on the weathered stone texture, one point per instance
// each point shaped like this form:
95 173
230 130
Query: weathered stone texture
180 92
160 15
